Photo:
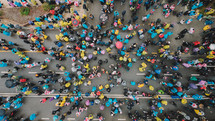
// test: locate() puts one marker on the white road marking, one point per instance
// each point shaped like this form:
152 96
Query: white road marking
121 119
70 118
44 118
195 74
4 72
140 74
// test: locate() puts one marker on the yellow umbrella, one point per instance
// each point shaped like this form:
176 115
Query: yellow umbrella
210 12
120 58
144 52
167 26
183 101
207 27
116 32
143 65
66 39
158 119
67 84
211 56
56 25
158 31
57 37
151 88
164 102
60 35
140 85
166 47
141 69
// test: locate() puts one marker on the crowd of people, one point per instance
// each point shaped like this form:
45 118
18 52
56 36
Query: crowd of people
78 37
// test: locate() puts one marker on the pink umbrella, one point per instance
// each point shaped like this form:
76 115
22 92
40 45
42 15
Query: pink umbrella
186 65
119 45
87 102
103 52
202 82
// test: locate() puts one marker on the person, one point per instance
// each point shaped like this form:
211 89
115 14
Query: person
91 16
181 21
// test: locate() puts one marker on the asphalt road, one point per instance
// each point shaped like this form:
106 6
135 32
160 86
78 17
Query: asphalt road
33 105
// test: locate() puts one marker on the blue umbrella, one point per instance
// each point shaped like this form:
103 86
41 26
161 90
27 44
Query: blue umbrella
174 90
33 117
6 33
175 68
4 26
133 83
85 26
158 71
93 89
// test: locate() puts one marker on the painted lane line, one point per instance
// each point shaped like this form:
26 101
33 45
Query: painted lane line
140 74
4 72
70 119
121 119
44 118
195 74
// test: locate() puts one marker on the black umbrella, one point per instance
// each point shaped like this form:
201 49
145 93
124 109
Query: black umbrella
9 83
103 17
2 112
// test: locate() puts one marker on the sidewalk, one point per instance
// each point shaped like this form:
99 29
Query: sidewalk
6 5
6 20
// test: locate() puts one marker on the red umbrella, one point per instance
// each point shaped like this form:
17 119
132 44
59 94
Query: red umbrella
52 12
98 93
161 35
119 45
75 22
179 89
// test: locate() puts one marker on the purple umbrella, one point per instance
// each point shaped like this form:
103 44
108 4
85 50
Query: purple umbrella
102 107
193 86
195 49
90 56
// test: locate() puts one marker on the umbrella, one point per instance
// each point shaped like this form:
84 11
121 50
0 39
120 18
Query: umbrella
87 102
75 22
158 71
179 89
102 107
119 45
193 86
90 56
103 52
2 112
103 17
33 117
52 12
9 83
212 46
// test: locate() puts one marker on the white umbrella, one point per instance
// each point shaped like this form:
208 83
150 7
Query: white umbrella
212 46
